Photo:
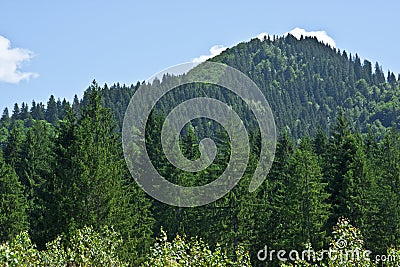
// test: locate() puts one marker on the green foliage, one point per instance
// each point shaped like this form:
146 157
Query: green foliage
93 186
346 173
194 252
347 238
19 252
38 163
307 205
13 204
51 111
306 83
83 247
392 257
346 249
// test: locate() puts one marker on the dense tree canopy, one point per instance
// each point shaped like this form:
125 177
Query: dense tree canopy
62 171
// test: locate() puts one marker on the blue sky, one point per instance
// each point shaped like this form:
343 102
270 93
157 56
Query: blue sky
61 46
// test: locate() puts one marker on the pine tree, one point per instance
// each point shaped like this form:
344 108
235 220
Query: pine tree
24 115
16 112
76 105
190 144
13 217
357 68
379 76
278 177
367 71
320 142
97 190
5 118
38 164
381 199
306 198
64 139
388 192
14 147
52 110
345 171
65 106
37 111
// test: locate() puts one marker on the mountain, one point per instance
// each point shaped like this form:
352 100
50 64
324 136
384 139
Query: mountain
305 81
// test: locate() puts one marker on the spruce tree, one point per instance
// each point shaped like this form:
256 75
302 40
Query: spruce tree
320 142
278 177
13 204
14 147
97 190
387 173
5 118
345 171
76 105
16 112
52 110
38 164
306 204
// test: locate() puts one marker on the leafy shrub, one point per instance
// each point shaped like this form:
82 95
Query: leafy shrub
195 252
346 249
82 247
20 252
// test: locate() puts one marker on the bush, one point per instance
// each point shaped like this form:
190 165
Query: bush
346 249
195 253
82 247
20 252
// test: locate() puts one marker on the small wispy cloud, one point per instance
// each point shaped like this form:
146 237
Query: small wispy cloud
321 36
11 60
215 50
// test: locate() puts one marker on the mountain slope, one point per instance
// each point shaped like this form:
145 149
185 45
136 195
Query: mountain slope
306 82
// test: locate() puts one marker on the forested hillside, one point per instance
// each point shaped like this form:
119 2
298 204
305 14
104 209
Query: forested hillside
338 154
306 82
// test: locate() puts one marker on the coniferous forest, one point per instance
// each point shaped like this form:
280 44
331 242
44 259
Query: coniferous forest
68 199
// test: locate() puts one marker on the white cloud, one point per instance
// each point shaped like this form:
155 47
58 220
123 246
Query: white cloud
215 50
11 60
262 35
322 36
